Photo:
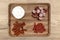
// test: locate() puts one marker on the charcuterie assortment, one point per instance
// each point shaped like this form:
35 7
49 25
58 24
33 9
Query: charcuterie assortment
30 19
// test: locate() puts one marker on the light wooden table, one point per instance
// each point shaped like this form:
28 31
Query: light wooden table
55 20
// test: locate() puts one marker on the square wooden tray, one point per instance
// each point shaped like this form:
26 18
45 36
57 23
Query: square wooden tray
29 20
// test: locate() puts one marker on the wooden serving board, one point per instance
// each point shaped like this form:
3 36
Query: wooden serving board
29 20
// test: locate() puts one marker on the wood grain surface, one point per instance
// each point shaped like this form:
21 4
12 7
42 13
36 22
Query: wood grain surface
54 26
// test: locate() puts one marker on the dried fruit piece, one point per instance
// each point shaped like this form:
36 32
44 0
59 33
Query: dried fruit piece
18 28
39 28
